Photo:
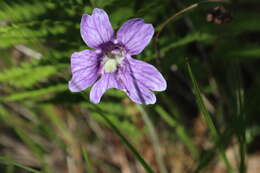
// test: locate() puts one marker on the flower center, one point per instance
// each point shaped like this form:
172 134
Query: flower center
112 60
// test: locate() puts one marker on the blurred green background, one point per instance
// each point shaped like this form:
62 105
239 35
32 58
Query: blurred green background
206 121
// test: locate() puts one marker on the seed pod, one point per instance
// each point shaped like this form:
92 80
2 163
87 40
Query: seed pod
218 15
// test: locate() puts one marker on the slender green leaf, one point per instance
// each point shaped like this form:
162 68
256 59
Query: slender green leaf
207 118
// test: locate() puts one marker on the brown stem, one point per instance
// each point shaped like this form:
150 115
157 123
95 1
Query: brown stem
161 27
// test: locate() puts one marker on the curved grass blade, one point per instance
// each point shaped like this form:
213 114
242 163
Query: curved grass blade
88 166
154 139
180 131
207 118
7 161
240 115
126 142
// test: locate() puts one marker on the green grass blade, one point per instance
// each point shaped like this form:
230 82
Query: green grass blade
36 148
154 139
88 166
241 119
207 118
126 142
5 160
180 130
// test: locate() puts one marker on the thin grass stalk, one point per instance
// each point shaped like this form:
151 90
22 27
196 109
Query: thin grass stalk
88 166
241 134
180 131
147 168
208 120
8 161
154 139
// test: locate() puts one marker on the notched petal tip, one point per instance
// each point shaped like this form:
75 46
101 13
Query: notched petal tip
83 20
135 35
99 11
96 28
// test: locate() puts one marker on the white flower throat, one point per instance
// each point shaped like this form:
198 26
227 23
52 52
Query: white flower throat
112 61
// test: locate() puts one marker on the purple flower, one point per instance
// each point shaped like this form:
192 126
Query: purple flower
110 64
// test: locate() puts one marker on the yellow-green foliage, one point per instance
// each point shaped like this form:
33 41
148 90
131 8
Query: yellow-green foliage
19 11
28 74
34 94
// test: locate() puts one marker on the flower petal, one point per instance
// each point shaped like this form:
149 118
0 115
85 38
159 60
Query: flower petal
135 35
137 92
108 80
148 75
84 68
96 29
135 89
